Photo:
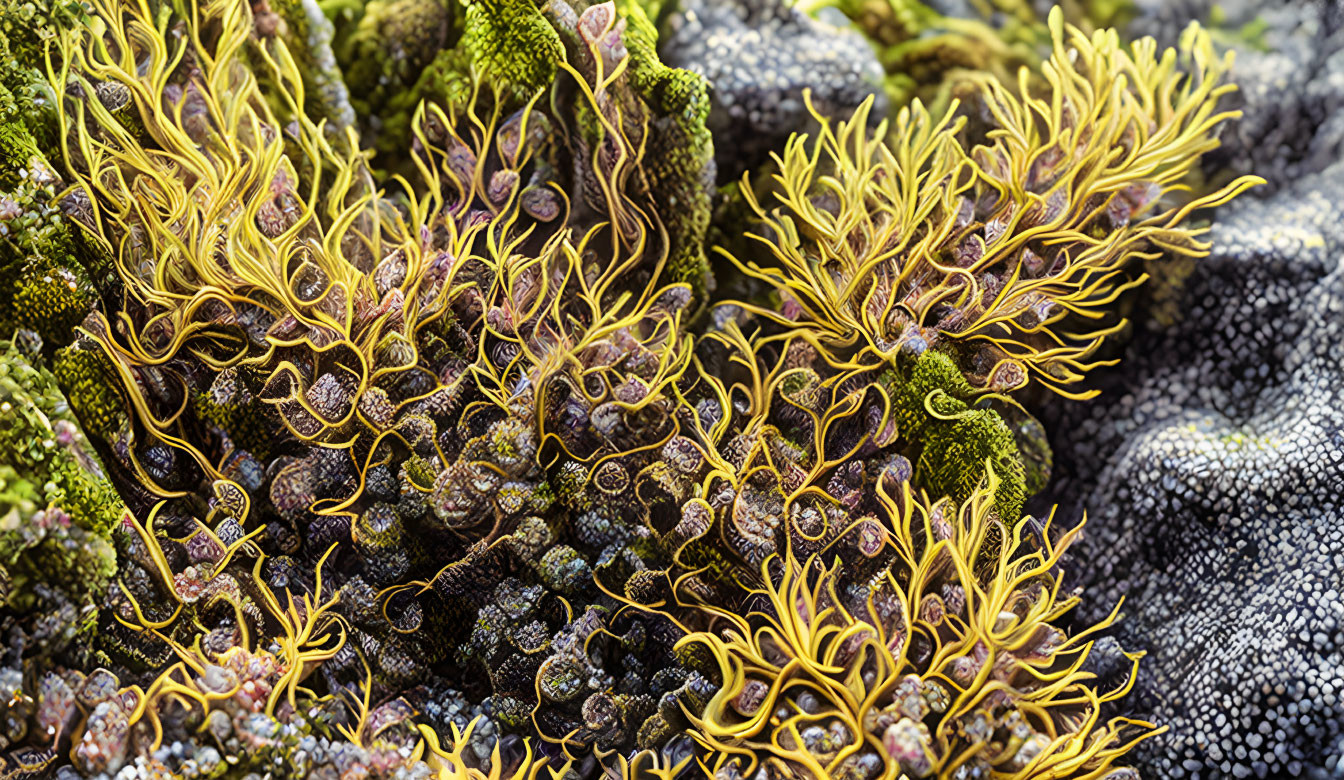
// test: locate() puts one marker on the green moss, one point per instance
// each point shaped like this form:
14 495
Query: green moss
42 440
512 46
249 424
52 297
932 372
391 47
957 441
44 286
28 125
420 472
28 26
958 446
56 505
404 52
87 378
508 47
45 265
679 162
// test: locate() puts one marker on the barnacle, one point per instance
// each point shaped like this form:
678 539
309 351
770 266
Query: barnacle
998 251
946 660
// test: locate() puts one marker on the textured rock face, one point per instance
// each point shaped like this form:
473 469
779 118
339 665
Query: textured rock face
1212 471
1212 467
1216 509
759 57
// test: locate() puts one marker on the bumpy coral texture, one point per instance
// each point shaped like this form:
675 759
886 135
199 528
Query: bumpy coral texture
943 642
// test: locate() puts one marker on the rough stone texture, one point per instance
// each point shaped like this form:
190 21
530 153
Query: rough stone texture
759 56
1212 466
1212 471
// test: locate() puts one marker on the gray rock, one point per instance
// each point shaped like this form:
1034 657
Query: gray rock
1212 471
1290 70
759 56
1212 466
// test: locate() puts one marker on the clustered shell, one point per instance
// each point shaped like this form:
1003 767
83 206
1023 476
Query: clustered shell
447 461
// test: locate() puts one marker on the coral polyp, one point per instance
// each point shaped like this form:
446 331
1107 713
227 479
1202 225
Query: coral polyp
378 405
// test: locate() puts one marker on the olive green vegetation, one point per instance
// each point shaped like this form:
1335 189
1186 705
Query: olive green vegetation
57 508
45 267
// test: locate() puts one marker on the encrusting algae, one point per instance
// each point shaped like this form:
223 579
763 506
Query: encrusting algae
371 359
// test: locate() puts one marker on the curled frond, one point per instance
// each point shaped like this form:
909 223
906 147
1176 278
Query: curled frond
449 762
1013 250
949 656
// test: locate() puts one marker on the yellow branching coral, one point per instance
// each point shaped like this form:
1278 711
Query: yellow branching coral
309 631
946 656
449 762
786 448
1009 249
617 372
232 253
455 425
261 252
212 223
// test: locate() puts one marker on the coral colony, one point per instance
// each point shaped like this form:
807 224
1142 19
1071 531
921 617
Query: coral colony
513 389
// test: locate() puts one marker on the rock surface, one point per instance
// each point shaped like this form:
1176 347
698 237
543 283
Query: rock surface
759 57
1212 466
1289 72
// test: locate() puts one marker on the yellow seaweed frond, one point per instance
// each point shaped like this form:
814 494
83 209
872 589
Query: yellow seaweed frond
1013 250
449 762
949 657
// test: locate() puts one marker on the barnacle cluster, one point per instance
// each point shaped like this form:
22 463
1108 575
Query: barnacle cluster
437 443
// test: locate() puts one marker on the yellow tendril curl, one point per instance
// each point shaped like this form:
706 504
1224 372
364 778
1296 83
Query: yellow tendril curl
947 656
312 633
449 762
247 236
1006 247
261 679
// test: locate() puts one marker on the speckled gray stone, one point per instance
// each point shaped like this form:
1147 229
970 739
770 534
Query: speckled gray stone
1212 470
759 56
1212 466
